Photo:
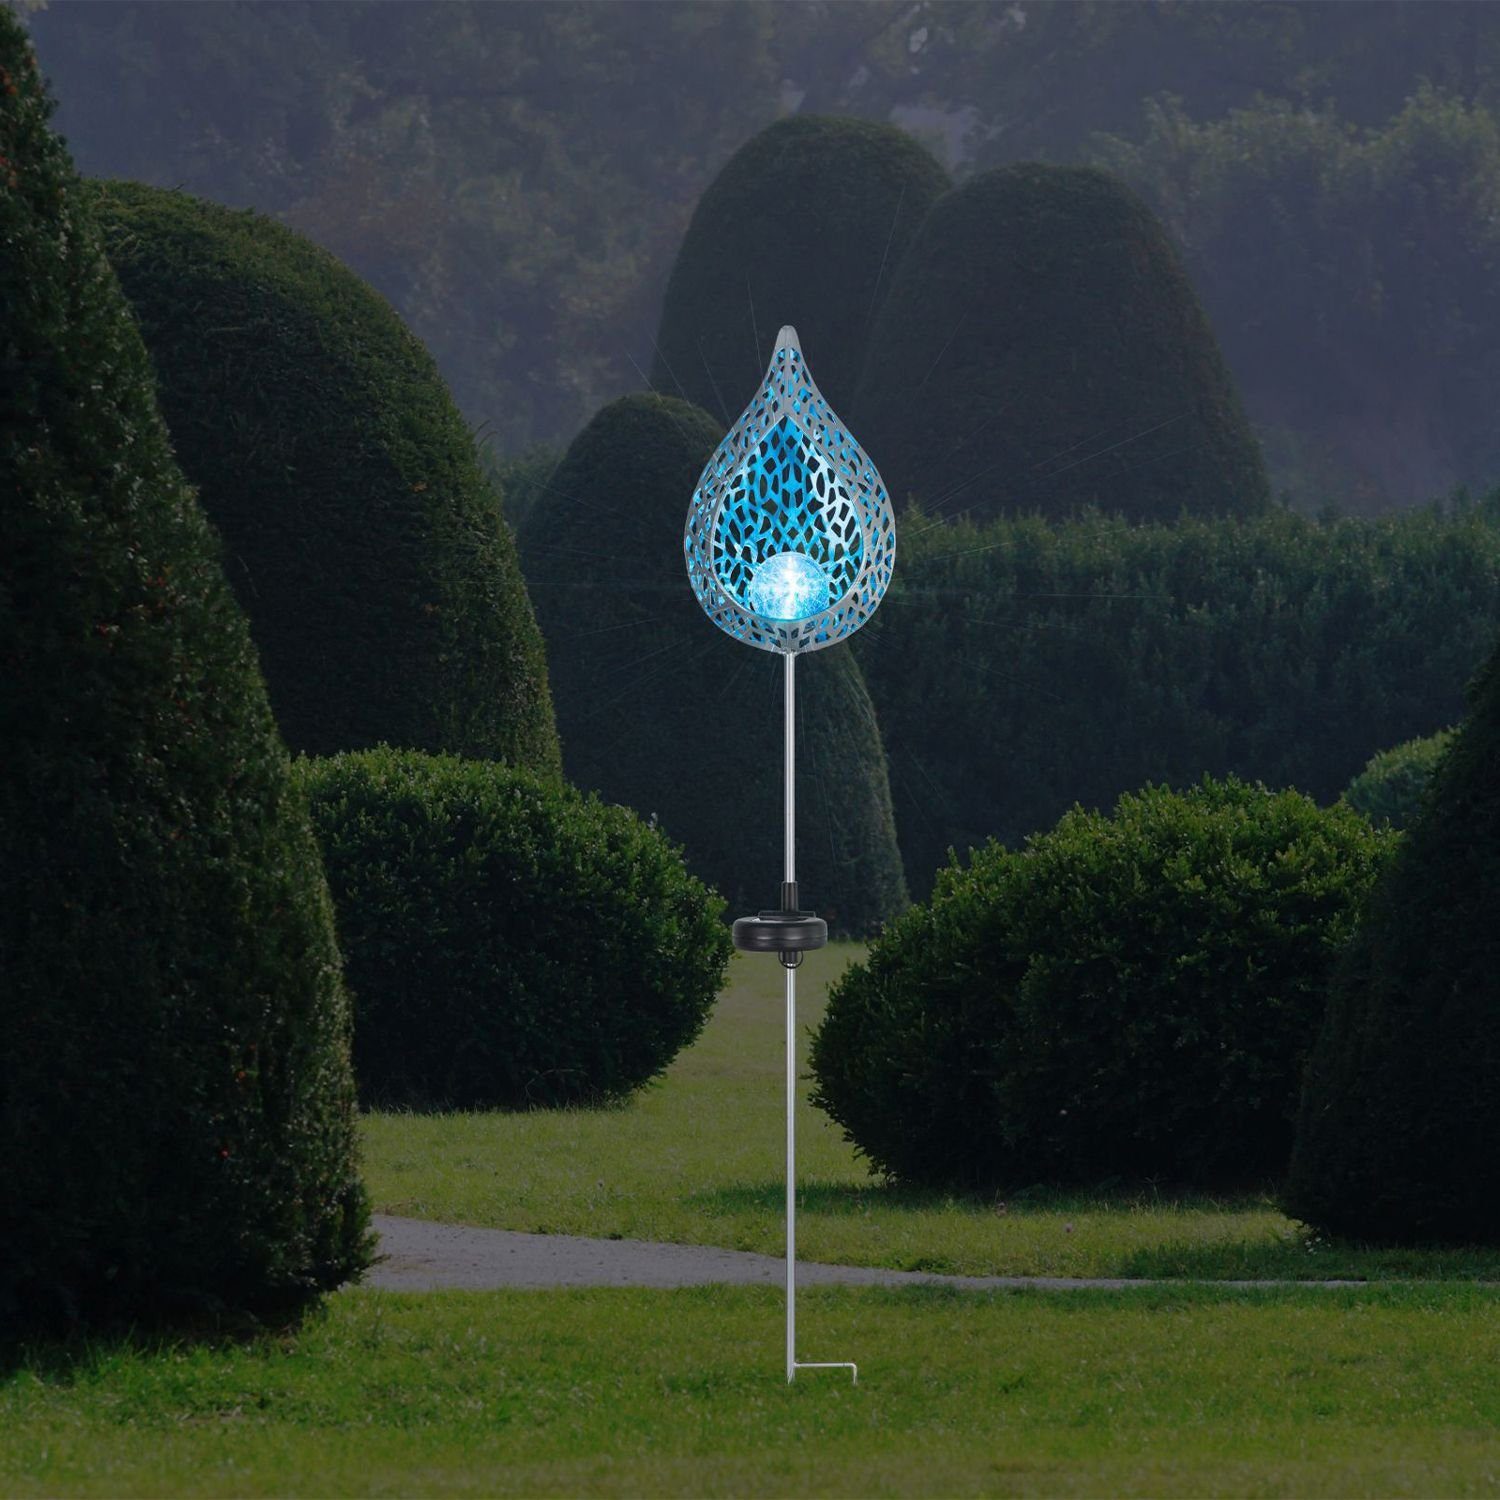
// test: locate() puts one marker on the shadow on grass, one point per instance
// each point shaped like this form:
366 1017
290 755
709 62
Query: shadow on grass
1213 1245
612 1104
1303 1256
876 1196
60 1349
833 1198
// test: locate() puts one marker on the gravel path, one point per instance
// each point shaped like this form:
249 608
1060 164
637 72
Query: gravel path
421 1256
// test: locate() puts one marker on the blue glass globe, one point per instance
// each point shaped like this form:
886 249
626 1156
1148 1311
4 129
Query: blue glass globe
788 586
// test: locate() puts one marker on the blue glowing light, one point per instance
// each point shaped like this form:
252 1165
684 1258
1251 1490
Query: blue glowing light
790 539
788 586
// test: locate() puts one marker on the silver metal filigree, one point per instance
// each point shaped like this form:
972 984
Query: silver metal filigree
789 516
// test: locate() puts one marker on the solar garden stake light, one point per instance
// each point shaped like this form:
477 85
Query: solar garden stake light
790 543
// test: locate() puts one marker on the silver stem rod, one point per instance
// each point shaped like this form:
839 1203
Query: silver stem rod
791 1185
790 866
790 874
789 770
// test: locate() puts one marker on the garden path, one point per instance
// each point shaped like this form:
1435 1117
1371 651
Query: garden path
419 1255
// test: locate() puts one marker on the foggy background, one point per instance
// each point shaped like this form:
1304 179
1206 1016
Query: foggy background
517 177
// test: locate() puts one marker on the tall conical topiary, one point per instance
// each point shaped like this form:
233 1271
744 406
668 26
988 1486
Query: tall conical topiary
1399 1133
805 225
661 711
176 1102
1042 350
361 537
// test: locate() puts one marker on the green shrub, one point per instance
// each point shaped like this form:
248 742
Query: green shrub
1019 667
362 539
176 1105
1129 996
1043 351
522 480
1390 789
804 225
662 711
509 942
1399 1133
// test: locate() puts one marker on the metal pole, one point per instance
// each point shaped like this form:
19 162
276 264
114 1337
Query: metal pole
789 875
789 770
793 1364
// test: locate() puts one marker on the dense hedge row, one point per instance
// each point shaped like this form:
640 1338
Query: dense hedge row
361 537
662 711
1042 351
176 1105
1399 1135
1019 667
509 942
1131 996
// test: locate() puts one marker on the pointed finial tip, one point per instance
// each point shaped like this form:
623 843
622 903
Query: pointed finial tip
787 339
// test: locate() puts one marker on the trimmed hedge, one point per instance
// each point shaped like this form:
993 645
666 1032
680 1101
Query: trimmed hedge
662 711
1399 1135
1130 996
1391 788
362 539
510 943
805 224
522 479
1042 350
176 1104
1020 667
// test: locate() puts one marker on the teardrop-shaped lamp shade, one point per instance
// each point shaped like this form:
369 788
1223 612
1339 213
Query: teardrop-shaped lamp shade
790 540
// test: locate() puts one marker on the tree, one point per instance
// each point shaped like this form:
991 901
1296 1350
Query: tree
1042 350
805 225
176 1102
514 944
1399 1133
1354 278
515 178
1128 996
1037 79
363 540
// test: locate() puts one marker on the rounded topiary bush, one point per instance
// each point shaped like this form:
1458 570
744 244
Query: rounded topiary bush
509 942
1391 788
1399 1134
660 710
176 1104
805 224
1131 996
1042 350
361 537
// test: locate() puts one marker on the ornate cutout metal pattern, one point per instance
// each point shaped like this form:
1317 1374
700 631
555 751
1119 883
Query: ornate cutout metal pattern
789 477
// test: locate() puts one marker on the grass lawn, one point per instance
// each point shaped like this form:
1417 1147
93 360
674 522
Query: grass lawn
697 1159
1190 1391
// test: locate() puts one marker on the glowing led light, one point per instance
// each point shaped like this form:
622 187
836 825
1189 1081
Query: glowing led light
790 539
788 587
